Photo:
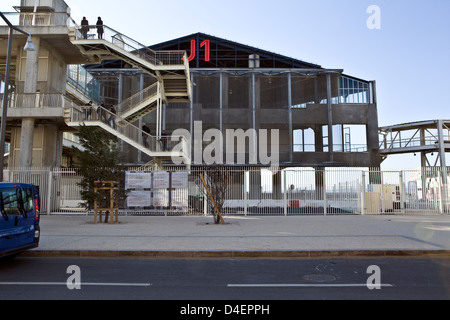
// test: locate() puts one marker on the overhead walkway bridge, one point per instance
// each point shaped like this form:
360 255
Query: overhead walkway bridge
423 138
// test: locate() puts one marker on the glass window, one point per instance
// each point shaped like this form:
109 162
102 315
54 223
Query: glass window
304 140
353 91
10 201
27 196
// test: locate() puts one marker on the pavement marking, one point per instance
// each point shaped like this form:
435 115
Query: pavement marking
90 284
348 285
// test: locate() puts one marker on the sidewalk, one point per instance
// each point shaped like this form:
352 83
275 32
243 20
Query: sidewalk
253 236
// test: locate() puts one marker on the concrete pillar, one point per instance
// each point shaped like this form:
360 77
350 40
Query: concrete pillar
26 143
31 69
30 86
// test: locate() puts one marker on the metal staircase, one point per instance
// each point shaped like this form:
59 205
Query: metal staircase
171 71
170 148
140 104
170 68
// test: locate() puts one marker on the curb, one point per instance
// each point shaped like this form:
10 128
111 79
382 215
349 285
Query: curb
232 254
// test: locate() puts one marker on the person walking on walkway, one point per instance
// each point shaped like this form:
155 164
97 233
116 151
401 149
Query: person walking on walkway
164 140
112 117
145 134
88 110
100 29
102 112
84 27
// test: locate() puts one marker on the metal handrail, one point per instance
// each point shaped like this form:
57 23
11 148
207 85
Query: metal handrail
123 127
127 104
40 19
36 100
157 58
407 142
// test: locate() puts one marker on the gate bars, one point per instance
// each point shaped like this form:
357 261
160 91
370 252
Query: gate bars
269 191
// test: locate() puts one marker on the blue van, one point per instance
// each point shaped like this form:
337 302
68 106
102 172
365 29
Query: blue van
19 218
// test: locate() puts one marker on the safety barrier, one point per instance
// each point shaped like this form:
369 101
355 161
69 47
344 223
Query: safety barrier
259 191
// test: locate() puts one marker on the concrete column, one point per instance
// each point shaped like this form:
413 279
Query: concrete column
31 69
30 86
26 143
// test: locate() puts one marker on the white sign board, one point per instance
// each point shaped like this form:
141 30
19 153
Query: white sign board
160 198
138 180
180 199
139 199
180 180
160 180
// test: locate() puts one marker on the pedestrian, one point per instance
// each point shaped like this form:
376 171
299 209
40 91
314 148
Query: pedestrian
145 134
112 117
84 27
101 112
88 110
164 140
100 28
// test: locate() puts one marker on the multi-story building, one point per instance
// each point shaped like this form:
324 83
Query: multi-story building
263 108
324 117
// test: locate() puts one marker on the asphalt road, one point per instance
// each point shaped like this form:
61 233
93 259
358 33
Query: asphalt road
261 280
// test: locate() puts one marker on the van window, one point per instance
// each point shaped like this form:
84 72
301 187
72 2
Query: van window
27 196
10 201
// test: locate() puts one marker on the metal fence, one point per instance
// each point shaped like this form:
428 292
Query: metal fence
256 191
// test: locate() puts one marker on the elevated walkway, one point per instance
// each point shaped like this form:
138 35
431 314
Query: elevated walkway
170 68
160 148
422 137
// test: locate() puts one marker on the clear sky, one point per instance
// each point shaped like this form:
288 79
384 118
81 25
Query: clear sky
408 57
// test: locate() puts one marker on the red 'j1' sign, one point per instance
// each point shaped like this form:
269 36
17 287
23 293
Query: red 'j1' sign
206 44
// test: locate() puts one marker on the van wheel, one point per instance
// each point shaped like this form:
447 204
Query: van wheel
8 257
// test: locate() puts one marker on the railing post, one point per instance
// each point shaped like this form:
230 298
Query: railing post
324 190
441 202
382 193
285 200
363 193
49 192
402 193
245 195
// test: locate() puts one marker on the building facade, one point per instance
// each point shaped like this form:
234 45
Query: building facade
321 117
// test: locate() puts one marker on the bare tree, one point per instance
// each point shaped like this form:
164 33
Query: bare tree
216 180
